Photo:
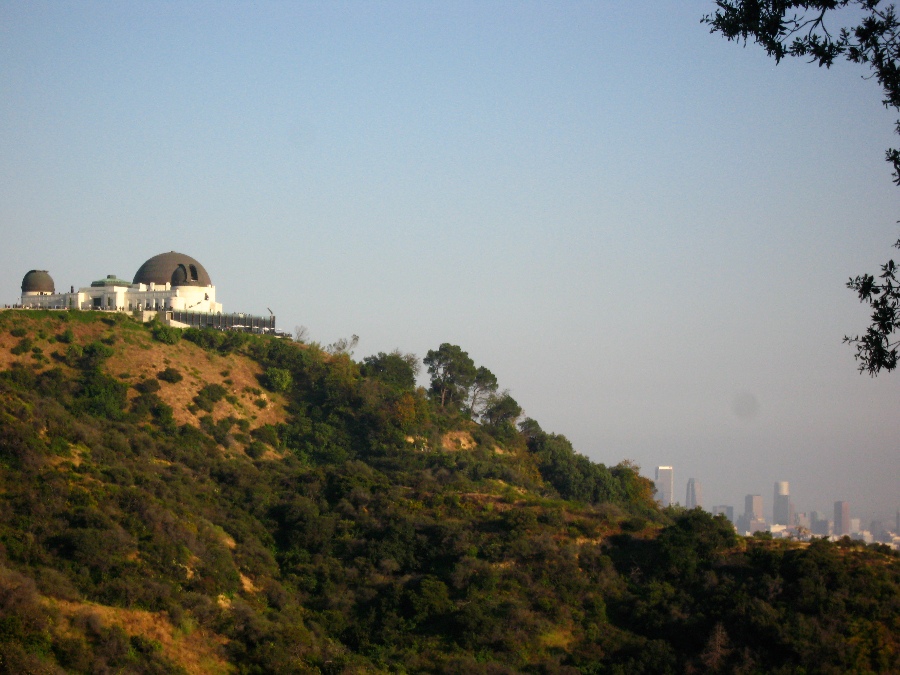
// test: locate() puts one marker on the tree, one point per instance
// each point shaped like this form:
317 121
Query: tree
799 28
343 346
395 369
484 386
501 410
452 373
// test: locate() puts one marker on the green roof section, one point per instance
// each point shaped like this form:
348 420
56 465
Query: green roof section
110 280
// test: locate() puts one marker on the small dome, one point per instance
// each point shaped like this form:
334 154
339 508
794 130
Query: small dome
38 281
177 269
111 280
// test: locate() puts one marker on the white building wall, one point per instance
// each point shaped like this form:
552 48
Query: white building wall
129 298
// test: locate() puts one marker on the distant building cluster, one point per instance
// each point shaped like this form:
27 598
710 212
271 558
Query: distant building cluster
786 523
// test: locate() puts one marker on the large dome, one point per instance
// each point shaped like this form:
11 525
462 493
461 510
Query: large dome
38 281
177 269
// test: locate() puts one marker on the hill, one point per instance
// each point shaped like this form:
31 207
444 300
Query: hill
207 502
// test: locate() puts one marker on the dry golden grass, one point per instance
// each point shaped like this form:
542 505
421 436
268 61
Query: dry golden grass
197 651
199 369
137 356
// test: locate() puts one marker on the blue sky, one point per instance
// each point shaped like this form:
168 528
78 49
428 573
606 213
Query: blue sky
635 224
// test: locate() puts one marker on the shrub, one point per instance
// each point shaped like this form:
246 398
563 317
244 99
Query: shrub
278 379
171 375
73 355
216 340
165 334
255 450
211 394
267 434
95 353
18 332
102 395
148 386
25 344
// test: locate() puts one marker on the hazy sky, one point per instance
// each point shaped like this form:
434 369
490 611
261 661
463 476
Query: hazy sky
644 231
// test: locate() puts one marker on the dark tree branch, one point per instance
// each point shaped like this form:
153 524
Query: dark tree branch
779 26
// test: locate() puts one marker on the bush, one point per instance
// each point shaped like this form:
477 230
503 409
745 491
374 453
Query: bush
166 334
278 379
171 375
148 386
24 345
267 434
94 354
216 340
73 355
255 450
102 395
211 394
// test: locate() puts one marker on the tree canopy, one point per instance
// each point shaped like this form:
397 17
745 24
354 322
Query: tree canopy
815 30
452 373
395 369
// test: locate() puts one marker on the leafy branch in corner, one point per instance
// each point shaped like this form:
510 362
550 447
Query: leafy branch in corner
874 350
798 28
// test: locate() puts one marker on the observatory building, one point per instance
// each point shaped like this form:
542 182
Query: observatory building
166 282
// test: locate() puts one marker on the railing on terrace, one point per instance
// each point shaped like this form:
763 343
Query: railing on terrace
235 321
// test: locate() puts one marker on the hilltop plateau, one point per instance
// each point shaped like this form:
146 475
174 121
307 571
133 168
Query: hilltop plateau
218 502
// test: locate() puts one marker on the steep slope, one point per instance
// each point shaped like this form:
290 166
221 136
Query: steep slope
277 510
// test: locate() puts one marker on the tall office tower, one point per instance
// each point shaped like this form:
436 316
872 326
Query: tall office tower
752 520
753 507
841 519
665 485
694 496
781 505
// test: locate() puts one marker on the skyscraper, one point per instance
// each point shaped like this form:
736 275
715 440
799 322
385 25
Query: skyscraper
665 485
841 519
694 497
781 504
752 520
753 507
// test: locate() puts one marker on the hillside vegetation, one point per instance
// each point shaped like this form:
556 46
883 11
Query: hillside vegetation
208 502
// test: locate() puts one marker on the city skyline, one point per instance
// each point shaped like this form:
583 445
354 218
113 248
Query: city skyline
772 514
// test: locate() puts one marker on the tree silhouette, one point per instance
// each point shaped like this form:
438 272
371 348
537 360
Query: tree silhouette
801 28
